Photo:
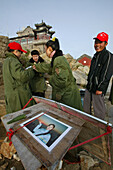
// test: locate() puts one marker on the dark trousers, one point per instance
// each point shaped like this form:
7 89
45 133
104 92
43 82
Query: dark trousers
39 94
97 103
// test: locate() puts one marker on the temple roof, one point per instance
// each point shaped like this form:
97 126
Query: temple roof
19 37
43 24
28 27
43 30
28 31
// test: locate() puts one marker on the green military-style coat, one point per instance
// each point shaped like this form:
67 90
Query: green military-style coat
64 87
37 84
17 91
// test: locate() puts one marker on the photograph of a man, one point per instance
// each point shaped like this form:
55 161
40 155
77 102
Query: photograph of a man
46 130
43 134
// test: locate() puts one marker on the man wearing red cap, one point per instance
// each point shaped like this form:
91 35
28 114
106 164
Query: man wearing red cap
99 76
17 91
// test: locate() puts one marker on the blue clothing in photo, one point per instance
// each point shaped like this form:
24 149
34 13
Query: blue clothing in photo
44 138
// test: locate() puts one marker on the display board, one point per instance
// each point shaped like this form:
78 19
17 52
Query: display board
48 133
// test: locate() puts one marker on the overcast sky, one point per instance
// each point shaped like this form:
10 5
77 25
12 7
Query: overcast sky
75 22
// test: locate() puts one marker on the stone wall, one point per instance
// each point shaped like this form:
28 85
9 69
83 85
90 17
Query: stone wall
3 48
1 77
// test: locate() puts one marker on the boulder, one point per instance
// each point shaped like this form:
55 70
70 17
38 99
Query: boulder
72 63
1 76
81 78
87 161
68 57
80 68
3 46
75 66
86 70
7 151
45 57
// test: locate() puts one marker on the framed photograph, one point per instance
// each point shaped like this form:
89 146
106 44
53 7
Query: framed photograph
45 129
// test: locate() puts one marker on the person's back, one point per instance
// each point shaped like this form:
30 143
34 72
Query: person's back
17 92
64 85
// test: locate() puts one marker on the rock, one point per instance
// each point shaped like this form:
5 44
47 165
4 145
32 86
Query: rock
3 46
13 168
104 166
1 76
7 151
2 110
87 161
4 166
68 57
72 167
45 57
72 63
83 69
86 70
83 153
76 65
6 139
15 156
48 92
42 168
80 68
2 161
81 78
0 156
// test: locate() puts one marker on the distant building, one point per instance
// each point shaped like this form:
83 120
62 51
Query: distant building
42 34
31 38
85 60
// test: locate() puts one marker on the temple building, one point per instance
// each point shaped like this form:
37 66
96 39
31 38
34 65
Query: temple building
42 34
30 38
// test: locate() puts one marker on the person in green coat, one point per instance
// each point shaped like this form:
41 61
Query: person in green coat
64 87
17 91
37 84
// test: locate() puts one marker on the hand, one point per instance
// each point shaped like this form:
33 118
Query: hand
40 122
34 67
57 70
98 92
58 97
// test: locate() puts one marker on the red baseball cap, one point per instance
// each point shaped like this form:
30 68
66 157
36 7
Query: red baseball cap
102 37
16 46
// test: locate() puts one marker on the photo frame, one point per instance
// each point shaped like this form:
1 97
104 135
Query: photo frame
46 130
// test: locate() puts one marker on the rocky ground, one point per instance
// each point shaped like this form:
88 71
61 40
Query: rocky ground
6 163
89 161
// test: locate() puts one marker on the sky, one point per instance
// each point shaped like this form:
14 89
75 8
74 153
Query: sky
75 22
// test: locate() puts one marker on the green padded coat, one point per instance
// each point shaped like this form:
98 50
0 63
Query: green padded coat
64 87
37 84
17 91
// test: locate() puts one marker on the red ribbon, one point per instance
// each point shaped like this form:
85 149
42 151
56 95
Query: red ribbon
27 103
109 130
10 134
68 162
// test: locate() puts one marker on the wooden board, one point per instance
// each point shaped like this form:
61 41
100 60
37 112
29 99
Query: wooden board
102 147
49 159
